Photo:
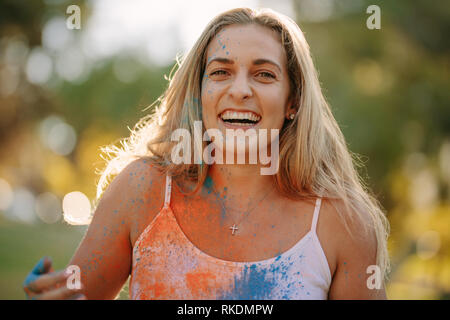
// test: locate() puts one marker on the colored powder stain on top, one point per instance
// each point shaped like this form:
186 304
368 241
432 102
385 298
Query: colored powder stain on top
208 184
253 284
199 282
159 290
223 213
166 266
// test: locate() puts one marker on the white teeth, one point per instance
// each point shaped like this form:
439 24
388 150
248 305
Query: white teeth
231 115
240 124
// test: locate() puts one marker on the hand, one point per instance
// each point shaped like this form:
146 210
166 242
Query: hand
42 283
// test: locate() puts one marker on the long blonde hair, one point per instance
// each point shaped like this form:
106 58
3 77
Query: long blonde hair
314 159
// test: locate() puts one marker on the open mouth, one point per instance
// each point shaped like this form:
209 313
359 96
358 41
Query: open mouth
242 119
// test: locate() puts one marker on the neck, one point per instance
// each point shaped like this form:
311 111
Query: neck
239 181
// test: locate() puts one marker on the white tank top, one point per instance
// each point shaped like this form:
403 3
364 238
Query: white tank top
167 265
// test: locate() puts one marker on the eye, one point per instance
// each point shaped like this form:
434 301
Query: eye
218 73
266 74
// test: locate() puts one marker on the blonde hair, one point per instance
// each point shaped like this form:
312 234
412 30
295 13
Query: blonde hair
314 159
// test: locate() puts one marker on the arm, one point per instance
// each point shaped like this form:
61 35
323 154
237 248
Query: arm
104 256
354 255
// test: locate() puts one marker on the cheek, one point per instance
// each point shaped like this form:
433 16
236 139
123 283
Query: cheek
205 89
208 104
209 91
210 96
274 108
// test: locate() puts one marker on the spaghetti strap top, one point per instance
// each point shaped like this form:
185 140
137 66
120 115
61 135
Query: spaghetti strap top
166 265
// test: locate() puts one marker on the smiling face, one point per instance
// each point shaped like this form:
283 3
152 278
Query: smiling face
246 83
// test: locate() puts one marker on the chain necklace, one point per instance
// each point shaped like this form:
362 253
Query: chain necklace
246 213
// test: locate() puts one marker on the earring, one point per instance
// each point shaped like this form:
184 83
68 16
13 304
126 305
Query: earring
292 116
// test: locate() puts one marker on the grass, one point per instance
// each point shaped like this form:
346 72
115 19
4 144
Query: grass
22 245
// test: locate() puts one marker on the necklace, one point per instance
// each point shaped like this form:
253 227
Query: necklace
246 213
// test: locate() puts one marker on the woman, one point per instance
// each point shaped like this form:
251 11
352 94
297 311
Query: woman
310 230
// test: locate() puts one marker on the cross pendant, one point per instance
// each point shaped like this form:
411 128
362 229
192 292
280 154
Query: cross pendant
233 228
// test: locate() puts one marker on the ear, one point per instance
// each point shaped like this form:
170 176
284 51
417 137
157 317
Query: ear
290 110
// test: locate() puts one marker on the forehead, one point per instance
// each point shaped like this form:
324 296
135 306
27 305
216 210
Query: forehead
238 42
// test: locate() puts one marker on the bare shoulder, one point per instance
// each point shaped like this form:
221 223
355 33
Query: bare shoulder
104 254
355 231
353 245
138 177
342 237
135 196
139 195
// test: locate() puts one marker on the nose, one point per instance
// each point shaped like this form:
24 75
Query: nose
240 87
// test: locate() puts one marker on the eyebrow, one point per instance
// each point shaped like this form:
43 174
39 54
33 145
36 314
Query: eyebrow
221 60
263 61
255 62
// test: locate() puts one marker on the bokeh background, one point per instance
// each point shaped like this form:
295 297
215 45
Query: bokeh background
65 93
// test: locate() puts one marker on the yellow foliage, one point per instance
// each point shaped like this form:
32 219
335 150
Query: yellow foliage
59 173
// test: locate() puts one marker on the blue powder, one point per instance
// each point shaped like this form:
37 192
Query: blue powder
208 184
252 285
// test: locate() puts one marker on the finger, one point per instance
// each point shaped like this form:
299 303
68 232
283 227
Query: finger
29 293
43 266
59 294
28 283
46 281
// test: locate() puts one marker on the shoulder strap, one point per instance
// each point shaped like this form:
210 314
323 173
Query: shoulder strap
168 191
316 214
